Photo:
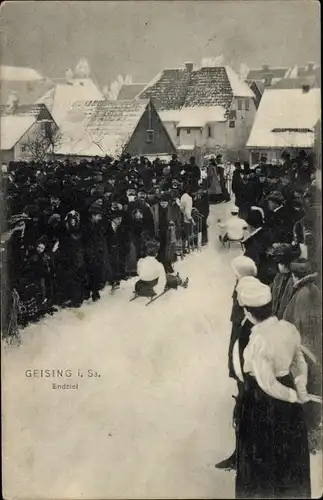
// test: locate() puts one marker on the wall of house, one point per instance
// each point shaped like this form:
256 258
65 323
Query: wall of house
7 155
162 143
272 155
35 131
222 136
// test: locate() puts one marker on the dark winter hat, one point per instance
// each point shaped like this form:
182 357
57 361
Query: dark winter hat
95 208
284 253
114 214
165 197
254 218
301 267
276 196
31 210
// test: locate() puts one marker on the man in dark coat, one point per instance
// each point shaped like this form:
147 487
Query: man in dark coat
96 251
278 219
118 246
71 268
192 174
237 185
256 245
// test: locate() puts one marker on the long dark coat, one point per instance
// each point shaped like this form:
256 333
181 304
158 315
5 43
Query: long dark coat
256 246
96 255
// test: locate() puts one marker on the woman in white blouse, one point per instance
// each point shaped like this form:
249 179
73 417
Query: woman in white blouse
272 443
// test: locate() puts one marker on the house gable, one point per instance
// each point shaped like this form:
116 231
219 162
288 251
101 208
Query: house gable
139 142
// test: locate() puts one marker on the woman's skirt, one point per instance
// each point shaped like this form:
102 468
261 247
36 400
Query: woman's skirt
272 446
146 288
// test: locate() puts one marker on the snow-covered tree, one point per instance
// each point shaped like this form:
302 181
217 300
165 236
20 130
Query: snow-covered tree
116 86
82 69
243 71
69 75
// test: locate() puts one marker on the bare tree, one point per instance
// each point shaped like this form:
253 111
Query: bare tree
38 146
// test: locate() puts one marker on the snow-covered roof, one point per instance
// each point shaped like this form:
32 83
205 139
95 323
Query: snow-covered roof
97 128
19 74
170 115
60 98
286 118
239 87
200 116
12 128
207 86
186 147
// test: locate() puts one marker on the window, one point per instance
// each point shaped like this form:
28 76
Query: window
188 131
178 132
247 104
209 131
232 124
150 136
48 129
240 104
232 114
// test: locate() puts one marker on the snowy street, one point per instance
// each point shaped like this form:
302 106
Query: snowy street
158 417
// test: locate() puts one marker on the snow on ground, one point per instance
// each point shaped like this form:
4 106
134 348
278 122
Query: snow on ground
159 416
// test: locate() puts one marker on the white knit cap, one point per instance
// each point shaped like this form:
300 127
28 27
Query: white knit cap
252 293
243 266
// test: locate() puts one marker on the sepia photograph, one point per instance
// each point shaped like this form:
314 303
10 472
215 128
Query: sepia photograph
160 251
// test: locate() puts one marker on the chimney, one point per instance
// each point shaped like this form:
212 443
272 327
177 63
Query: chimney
268 79
265 67
189 66
310 67
305 88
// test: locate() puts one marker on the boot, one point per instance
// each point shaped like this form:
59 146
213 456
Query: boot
96 296
228 463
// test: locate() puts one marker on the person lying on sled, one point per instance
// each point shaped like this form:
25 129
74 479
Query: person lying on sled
152 277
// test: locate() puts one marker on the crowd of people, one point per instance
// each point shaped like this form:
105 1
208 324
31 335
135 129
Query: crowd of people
275 350
72 229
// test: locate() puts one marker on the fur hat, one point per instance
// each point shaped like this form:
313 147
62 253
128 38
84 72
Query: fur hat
252 293
284 253
244 266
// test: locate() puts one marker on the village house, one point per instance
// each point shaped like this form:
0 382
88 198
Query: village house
205 110
66 91
266 75
27 131
285 121
100 128
26 83
298 76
